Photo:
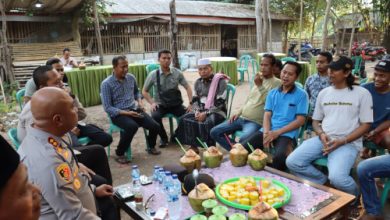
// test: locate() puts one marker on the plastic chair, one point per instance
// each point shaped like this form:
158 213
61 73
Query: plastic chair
385 193
377 150
285 59
12 134
357 60
231 89
151 67
113 128
84 140
19 97
243 66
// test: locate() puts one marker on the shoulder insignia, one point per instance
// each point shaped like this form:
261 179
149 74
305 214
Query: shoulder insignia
64 172
76 183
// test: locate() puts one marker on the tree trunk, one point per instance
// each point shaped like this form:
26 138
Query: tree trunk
6 55
270 26
315 16
300 31
173 34
343 38
259 27
325 28
265 25
76 27
353 29
285 38
97 32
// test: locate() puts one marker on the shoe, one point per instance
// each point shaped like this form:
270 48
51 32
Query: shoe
163 144
153 151
356 212
122 159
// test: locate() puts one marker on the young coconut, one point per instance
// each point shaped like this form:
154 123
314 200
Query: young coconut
212 157
200 193
257 159
263 211
238 155
191 161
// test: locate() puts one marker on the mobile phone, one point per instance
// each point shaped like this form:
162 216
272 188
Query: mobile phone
125 193
145 180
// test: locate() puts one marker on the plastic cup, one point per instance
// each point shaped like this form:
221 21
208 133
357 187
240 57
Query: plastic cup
217 217
220 210
209 204
198 217
237 216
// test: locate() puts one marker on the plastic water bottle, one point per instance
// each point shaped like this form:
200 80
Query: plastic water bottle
155 174
167 181
161 177
174 192
137 188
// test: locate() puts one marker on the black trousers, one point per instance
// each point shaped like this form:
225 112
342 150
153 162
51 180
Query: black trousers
95 158
106 206
130 126
96 134
281 145
157 115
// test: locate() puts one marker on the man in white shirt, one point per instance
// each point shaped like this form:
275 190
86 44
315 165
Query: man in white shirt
67 60
342 115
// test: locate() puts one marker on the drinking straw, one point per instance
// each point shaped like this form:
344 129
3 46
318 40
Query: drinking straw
202 143
228 140
180 145
251 147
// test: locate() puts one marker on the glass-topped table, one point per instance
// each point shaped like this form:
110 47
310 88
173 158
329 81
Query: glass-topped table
308 201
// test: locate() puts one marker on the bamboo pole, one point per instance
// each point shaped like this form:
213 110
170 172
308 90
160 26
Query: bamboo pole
300 31
173 34
97 32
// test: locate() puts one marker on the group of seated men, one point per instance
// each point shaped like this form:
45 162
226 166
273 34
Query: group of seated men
275 109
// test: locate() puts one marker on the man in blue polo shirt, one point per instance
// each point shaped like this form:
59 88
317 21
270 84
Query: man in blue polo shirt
285 111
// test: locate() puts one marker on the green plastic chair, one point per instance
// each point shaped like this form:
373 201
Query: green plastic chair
285 59
112 129
357 60
385 193
230 92
12 134
19 97
243 66
84 140
151 67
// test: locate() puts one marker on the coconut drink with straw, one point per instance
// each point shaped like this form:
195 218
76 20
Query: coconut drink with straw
263 211
212 156
257 159
190 160
238 155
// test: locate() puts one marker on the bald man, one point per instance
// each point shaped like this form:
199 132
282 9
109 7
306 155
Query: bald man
66 193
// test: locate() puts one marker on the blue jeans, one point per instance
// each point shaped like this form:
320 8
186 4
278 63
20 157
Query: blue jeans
367 170
246 126
340 162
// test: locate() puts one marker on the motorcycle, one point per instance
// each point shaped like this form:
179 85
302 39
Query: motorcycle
305 52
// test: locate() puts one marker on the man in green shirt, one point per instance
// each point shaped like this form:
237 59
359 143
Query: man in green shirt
250 117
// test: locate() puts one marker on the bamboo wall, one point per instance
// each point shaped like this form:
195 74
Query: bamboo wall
146 36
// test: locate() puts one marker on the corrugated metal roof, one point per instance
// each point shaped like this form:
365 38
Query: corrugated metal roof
49 6
194 8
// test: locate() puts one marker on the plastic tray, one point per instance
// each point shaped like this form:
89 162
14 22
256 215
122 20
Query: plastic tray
287 193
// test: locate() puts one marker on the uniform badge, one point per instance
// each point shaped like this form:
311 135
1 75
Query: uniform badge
64 172
76 183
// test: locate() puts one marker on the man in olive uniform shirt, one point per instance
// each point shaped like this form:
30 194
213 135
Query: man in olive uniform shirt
66 193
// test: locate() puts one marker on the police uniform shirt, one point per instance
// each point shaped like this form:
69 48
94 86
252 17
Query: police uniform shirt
51 165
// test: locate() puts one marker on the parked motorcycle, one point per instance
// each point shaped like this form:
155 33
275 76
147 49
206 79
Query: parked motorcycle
306 54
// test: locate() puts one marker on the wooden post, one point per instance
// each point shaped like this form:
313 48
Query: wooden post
173 34
353 29
259 27
6 56
265 24
300 31
97 32
270 26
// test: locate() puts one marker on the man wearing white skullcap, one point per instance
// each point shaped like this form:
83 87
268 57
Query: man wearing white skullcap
208 108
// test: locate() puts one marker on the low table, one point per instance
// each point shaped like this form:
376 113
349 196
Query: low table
308 200
226 65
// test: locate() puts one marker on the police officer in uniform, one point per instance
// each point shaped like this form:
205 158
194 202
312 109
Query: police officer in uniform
66 192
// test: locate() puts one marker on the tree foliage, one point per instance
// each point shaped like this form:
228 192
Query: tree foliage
87 11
